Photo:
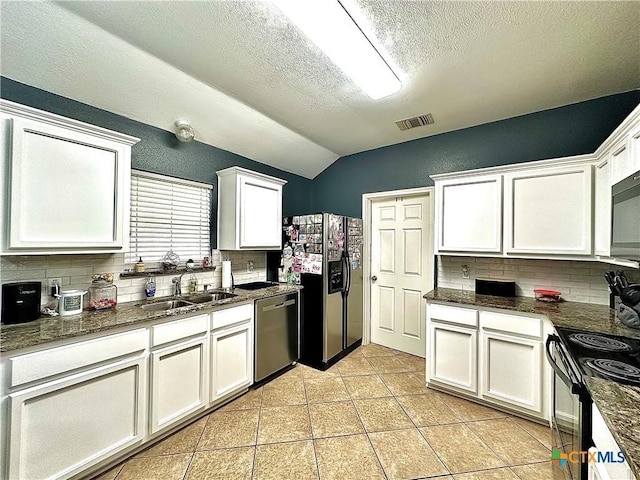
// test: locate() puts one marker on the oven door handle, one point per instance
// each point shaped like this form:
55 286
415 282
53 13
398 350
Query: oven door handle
575 387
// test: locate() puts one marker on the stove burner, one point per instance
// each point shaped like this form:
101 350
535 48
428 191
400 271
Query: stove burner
615 369
599 342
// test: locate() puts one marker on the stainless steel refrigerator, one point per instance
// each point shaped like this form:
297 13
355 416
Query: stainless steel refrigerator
323 252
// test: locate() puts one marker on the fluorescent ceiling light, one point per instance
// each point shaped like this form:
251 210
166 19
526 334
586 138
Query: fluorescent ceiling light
331 28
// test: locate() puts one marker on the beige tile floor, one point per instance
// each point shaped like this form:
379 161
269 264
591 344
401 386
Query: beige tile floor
368 417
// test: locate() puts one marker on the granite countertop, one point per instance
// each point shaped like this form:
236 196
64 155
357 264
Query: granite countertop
50 329
619 404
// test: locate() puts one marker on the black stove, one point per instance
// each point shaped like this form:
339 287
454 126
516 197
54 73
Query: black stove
256 285
601 355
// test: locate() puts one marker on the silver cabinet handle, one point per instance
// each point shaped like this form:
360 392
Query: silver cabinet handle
374 278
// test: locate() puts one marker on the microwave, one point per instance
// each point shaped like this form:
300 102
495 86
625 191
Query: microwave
625 218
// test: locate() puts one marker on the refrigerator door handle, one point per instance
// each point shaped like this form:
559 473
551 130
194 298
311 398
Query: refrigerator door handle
346 273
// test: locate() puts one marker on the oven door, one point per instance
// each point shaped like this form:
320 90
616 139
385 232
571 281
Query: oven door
571 414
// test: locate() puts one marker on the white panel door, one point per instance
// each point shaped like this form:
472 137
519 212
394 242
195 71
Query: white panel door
179 382
453 356
260 213
549 211
401 271
512 371
469 214
231 360
88 178
65 426
602 210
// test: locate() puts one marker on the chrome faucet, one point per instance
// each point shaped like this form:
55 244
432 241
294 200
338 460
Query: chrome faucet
178 285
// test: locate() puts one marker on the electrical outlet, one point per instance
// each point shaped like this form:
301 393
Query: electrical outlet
249 266
465 271
52 282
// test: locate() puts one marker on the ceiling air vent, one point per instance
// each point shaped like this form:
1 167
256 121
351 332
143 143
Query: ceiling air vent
419 121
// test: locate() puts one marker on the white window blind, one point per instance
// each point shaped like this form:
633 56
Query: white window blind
168 213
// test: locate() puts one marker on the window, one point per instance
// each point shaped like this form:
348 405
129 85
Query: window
168 213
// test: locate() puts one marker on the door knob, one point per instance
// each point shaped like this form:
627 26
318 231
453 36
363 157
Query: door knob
374 278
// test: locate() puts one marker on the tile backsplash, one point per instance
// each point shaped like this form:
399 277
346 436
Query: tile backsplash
76 270
577 281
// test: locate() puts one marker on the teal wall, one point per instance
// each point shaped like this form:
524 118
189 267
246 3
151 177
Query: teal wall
564 131
569 130
160 152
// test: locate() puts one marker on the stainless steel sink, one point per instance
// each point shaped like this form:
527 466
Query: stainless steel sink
211 297
166 305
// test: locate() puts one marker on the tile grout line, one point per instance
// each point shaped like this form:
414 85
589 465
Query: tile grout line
366 433
255 447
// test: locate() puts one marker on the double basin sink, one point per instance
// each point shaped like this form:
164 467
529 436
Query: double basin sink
173 303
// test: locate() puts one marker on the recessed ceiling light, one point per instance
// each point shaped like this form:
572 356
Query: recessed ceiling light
332 29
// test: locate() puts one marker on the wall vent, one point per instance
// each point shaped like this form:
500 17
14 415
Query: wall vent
419 121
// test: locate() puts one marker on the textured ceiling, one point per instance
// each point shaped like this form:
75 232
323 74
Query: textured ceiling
252 84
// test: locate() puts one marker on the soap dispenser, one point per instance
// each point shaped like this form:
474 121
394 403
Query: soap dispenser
150 287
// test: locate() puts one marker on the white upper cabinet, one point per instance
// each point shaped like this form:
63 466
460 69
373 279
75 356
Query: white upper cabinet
618 158
535 210
621 161
558 208
602 208
469 214
548 211
634 147
249 210
65 184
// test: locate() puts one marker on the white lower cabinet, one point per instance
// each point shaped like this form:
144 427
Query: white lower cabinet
231 351
66 421
611 463
454 357
179 371
505 358
492 356
72 409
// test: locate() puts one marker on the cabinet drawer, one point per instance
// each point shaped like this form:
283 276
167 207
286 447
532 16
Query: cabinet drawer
34 366
461 316
531 327
229 316
172 331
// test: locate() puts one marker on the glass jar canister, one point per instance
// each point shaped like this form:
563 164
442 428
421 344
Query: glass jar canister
103 294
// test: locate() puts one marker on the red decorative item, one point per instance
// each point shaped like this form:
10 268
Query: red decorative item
547 295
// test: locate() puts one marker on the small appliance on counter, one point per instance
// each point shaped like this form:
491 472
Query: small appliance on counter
20 302
499 288
70 302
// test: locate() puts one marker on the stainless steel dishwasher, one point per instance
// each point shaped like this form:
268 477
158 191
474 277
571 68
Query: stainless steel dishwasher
276 334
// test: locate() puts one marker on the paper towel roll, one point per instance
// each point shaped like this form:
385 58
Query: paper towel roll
226 274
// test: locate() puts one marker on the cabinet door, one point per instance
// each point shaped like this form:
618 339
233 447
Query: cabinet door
179 381
634 146
621 161
469 215
87 180
602 226
260 214
512 371
231 360
452 358
548 211
63 427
